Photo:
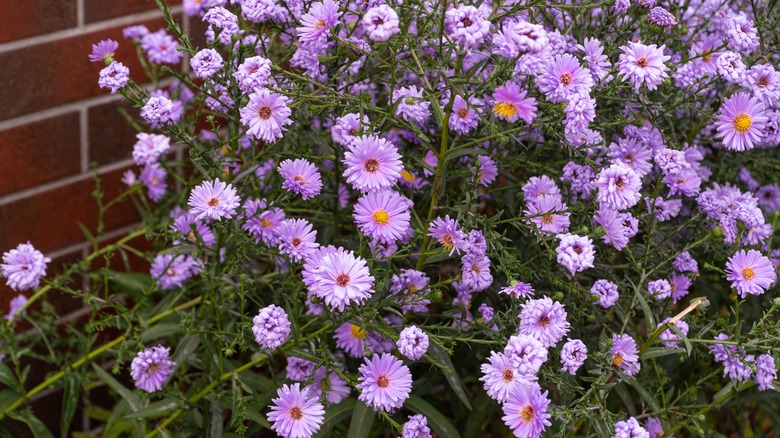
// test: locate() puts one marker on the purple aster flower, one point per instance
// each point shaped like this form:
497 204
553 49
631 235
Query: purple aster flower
766 372
544 320
373 163
764 82
642 64
659 289
380 23
151 368
298 369
543 213
317 23
511 104
412 343
171 271
224 20
669 335
206 63
128 178
750 272
411 106
624 354
214 200
630 429
446 231
618 187
149 148
476 272
23 267
525 411
741 34
253 74
606 291
731 68
265 115
351 338
464 117
335 388
114 77
538 186
263 221
476 243
487 313
500 376
416 427
383 216
192 230
103 51
633 153
580 111
598 62
526 353
663 209
580 177
385 382
259 11
740 122
573 355
679 284
736 365
407 288
301 176
161 48
466 25
685 263
661 17
518 290
615 231
135 32
271 327
297 239
342 279
564 78
16 307
158 111
296 414
654 428
345 129
575 253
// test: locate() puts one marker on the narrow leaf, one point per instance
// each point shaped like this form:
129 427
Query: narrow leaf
440 355
8 378
157 409
335 415
688 346
362 420
158 331
37 427
659 352
70 399
184 349
216 420
436 420
132 400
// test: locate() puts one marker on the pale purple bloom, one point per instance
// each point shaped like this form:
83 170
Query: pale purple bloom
149 148
731 68
740 123
544 213
476 272
135 32
684 262
296 414
383 216
464 116
526 353
345 129
511 104
580 177
625 354
342 279
214 200
411 106
114 77
23 267
380 23
580 111
334 388
253 73
408 289
263 221
351 338
544 320
750 272
161 48
385 382
525 411
15 307
670 336
518 290
766 372
736 365
271 327
573 355
606 291
659 289
741 33
618 187
466 25
616 231
373 163
598 62
564 78
655 428
158 111
192 230
575 253
500 376
416 427
297 239
663 209
298 369
680 285
633 153
301 176
265 115
643 64
317 23
151 368
206 63
171 271
661 17
412 343
446 231
630 429
103 50
764 82
221 18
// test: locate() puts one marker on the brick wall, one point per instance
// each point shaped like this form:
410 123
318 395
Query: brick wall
56 123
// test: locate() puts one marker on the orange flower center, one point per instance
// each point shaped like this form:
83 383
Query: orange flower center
381 217
617 359
372 165
382 382
566 78
357 332
527 413
264 112
748 273
296 413
505 110
265 223
446 240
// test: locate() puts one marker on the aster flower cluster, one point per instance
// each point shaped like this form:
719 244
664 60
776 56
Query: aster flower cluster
353 203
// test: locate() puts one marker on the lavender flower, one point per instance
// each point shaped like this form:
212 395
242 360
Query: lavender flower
511 104
661 17
544 320
265 115
16 307
295 414
740 123
213 199
151 368
575 253
501 376
271 327
411 106
606 291
206 63
630 429
160 47
564 79
466 25
446 231
114 77
618 187
380 23
153 176
659 289
171 271
253 74
298 369
23 267
373 163
385 382
526 353
573 355
751 272
103 51
669 335
158 111
525 411
301 176
625 354
766 372
317 23
342 279
149 148
351 338
297 239
642 64
383 216
412 343
416 427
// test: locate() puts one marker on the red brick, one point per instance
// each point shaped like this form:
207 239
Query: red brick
51 74
49 219
35 17
98 10
39 152
111 137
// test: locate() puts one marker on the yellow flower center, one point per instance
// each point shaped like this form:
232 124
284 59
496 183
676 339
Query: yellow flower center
742 122
265 223
406 175
446 240
527 413
357 332
748 273
505 110
617 359
381 217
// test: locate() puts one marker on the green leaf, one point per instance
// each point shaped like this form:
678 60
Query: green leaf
133 282
132 400
659 352
457 153
645 308
70 399
8 378
436 420
215 420
258 418
441 356
184 349
644 393
335 415
688 346
162 330
362 420
157 409
37 427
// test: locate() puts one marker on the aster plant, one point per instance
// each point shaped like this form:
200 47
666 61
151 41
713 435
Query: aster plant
418 219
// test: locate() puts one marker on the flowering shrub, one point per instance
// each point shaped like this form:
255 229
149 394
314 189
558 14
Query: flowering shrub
425 218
